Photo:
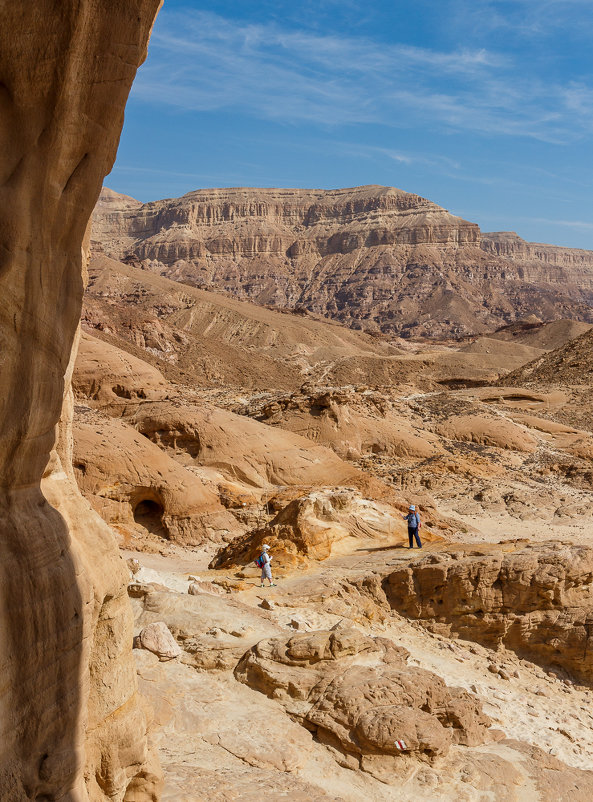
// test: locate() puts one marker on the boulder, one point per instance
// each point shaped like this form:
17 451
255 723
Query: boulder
316 526
359 696
158 640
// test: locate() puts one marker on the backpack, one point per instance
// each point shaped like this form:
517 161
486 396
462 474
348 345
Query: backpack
260 562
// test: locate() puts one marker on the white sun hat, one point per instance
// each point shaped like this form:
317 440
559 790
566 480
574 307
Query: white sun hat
265 547
412 507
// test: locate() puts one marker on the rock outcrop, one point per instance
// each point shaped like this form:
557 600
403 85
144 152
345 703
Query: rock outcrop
570 365
360 698
537 601
539 261
132 483
375 258
316 526
71 725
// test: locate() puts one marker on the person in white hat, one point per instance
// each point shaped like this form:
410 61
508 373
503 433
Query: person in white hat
264 561
413 519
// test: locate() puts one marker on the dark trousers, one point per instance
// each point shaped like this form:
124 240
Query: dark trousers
413 533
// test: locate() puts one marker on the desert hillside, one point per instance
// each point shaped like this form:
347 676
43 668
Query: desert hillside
375 258
206 426
289 373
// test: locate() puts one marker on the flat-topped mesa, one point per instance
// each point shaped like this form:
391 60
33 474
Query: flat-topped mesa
372 257
512 246
283 222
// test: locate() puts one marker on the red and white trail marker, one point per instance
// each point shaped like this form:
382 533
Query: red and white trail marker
401 745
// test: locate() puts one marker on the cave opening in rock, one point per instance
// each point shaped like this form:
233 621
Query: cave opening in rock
149 514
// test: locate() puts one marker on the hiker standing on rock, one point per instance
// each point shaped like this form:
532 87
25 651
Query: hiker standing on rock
413 519
263 561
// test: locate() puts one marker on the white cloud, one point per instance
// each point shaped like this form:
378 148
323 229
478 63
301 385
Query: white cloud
200 61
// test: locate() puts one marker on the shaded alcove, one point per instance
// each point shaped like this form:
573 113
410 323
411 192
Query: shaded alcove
149 514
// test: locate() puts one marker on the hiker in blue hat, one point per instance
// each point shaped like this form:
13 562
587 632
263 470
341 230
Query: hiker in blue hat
263 562
413 519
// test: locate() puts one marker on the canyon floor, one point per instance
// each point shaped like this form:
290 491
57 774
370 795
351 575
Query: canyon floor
206 426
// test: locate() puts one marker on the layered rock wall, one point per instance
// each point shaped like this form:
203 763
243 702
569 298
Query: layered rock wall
71 725
372 257
537 602
541 262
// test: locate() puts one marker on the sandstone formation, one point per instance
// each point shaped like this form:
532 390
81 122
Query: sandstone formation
537 601
373 257
113 379
133 483
315 526
359 697
214 632
71 725
489 431
315 715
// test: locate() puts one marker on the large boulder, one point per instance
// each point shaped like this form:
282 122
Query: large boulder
359 696
315 526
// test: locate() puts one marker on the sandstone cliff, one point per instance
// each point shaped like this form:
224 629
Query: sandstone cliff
71 724
372 257
537 601
536 256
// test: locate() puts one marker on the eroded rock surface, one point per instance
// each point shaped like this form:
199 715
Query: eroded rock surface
373 257
65 624
315 526
537 601
360 697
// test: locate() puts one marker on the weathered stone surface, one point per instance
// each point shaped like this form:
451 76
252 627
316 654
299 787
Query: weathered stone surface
190 620
313 527
65 622
537 601
158 640
372 257
135 485
360 697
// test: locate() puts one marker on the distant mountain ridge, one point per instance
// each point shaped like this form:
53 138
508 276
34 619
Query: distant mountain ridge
375 258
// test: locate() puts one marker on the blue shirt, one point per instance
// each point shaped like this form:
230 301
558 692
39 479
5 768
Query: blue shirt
413 519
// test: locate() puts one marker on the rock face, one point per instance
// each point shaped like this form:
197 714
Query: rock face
312 527
129 481
358 695
537 602
372 257
539 261
71 726
209 339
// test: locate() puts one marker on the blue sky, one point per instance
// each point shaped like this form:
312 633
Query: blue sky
484 107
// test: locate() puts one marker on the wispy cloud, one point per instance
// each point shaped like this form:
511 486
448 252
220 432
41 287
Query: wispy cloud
399 156
581 225
535 19
203 62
